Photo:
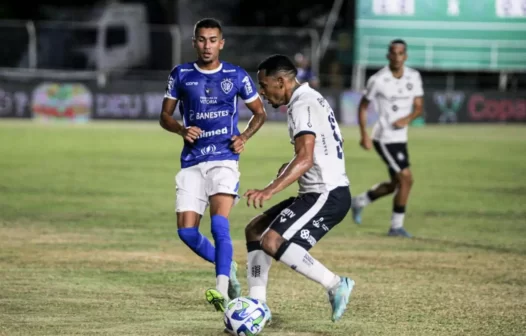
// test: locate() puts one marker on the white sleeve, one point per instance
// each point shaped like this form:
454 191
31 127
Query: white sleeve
419 89
371 88
304 116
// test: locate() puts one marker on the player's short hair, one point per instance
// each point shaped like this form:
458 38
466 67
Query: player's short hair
207 23
397 41
278 63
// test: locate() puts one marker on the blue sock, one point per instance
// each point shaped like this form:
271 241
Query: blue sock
223 242
198 243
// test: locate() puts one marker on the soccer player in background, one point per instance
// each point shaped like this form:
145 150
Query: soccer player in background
207 91
397 90
289 229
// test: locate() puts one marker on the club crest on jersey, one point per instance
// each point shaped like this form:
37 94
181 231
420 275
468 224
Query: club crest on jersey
227 85
409 86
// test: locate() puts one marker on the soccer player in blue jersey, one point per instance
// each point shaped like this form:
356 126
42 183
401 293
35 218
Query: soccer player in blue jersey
207 91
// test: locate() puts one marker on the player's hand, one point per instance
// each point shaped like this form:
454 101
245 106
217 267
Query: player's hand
365 142
401 123
191 133
282 168
238 143
256 197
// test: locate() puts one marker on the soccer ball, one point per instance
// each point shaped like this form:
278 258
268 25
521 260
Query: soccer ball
245 316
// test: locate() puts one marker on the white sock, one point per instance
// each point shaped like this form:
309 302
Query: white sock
297 258
397 220
222 284
361 200
258 266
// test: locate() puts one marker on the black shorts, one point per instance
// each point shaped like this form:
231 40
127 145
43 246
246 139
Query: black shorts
305 219
395 155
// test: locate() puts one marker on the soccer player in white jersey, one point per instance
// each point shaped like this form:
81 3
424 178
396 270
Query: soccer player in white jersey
289 229
398 93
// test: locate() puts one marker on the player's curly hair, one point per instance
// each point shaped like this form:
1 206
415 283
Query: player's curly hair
278 63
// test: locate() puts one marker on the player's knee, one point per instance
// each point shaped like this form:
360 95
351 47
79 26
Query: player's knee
188 219
251 233
221 204
271 242
406 178
190 236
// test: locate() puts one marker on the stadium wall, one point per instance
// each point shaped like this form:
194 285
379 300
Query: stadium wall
141 100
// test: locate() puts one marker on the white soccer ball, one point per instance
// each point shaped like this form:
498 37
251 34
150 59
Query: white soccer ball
245 316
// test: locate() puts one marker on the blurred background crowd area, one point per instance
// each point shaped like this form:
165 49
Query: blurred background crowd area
455 44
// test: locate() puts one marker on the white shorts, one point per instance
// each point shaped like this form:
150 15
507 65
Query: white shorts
194 185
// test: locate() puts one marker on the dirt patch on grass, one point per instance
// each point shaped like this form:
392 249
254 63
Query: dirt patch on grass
109 256
32 235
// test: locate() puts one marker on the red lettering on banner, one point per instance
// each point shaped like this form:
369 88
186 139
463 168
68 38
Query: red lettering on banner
481 108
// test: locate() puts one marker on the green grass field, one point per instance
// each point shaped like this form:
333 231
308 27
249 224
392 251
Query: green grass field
88 242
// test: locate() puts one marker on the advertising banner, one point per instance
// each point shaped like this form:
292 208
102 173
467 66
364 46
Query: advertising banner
14 101
62 101
78 102
475 107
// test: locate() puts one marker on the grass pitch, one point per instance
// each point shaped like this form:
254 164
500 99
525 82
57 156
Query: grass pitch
88 242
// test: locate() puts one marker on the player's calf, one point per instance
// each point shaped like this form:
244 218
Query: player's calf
298 258
271 242
188 231
364 199
224 252
405 179
377 191
258 262
220 206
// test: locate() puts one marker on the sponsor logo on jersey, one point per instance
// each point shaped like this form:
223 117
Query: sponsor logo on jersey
305 234
208 100
210 149
287 213
211 115
248 86
208 134
170 85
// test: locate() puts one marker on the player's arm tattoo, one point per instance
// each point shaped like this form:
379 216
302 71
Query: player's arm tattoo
303 161
259 115
165 119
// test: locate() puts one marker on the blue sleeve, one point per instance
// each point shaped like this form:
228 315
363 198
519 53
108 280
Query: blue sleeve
247 89
172 87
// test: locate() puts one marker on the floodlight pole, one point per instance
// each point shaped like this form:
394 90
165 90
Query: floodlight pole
329 27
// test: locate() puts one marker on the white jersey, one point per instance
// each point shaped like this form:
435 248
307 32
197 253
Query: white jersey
310 113
394 100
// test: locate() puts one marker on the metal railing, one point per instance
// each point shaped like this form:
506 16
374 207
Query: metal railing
449 54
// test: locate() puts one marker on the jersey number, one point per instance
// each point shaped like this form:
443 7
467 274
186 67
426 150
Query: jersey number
335 130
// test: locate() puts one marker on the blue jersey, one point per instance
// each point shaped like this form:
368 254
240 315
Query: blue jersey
208 100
